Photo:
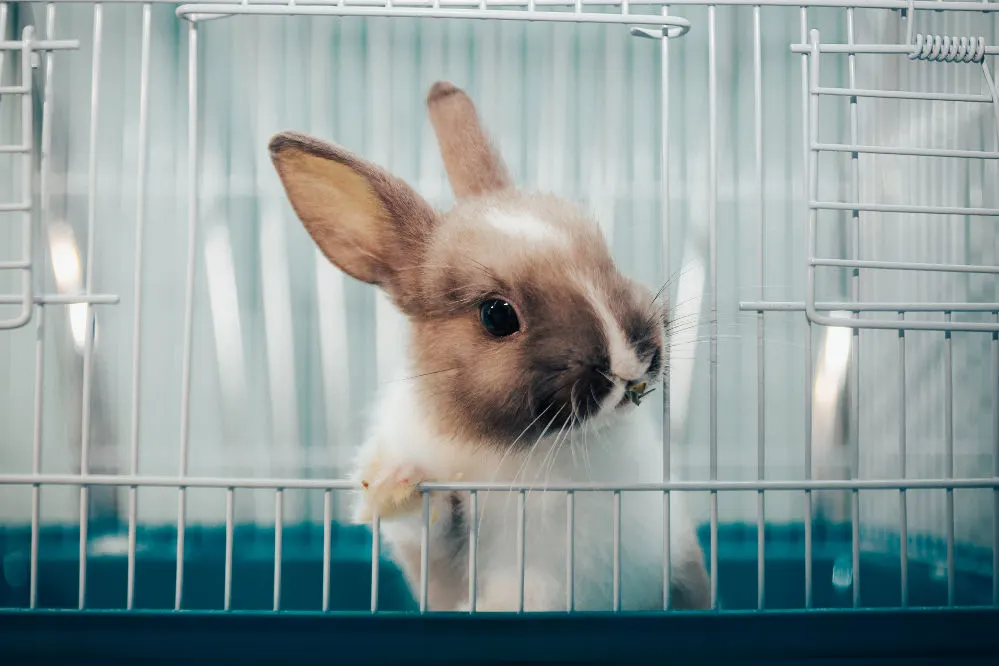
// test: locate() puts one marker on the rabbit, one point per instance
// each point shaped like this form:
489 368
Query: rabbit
527 354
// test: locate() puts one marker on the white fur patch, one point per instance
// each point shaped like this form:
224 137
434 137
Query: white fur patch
525 225
624 363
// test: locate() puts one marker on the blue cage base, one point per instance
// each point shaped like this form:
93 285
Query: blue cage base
252 633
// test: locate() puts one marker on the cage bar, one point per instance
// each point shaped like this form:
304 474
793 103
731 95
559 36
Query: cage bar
424 550
36 450
798 306
949 454
521 539
664 191
995 463
761 412
473 550
616 500
376 539
39 397
812 485
327 545
570 549
900 208
810 124
675 26
713 279
278 545
855 148
855 544
192 221
88 337
901 94
140 219
230 520
903 520
855 296
667 556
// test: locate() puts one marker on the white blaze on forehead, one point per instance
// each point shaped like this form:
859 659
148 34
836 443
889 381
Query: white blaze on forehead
624 362
526 226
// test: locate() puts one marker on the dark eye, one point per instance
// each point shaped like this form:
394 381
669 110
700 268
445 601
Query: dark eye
499 318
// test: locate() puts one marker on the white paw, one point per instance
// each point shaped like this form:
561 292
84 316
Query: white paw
388 489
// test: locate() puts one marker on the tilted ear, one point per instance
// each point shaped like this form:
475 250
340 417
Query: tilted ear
370 224
473 166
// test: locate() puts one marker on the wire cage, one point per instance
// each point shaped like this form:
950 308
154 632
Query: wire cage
186 377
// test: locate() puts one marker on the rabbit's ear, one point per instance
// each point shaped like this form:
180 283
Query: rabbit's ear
368 223
473 165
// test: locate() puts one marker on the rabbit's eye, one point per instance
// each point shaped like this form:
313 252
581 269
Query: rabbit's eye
499 318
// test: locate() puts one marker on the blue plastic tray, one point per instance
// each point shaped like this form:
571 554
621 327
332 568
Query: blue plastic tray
251 633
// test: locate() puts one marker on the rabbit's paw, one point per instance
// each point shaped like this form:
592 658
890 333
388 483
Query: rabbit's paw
389 489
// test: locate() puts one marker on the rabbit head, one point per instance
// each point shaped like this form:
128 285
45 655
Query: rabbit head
519 317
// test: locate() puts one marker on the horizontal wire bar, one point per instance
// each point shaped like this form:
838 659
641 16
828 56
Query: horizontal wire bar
901 94
14 265
913 152
195 12
875 49
896 208
12 207
904 266
799 306
41 44
346 484
856 4
63 299
14 90
894 325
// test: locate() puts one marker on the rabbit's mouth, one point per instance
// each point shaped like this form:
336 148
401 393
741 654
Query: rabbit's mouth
634 392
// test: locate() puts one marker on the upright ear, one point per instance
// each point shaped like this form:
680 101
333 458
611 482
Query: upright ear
368 223
473 165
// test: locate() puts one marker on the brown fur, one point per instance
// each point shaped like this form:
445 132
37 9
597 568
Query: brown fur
472 164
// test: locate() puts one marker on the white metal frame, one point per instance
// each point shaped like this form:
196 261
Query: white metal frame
810 48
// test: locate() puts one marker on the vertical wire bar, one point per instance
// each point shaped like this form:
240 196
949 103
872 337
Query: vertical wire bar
140 218
473 550
327 546
855 294
995 462
949 435
903 526
88 337
761 429
36 454
3 29
230 520
39 398
376 554
713 259
667 278
570 550
617 549
424 550
192 222
667 556
811 123
521 539
278 545
855 544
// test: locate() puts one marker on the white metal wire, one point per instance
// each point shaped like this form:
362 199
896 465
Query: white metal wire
904 316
